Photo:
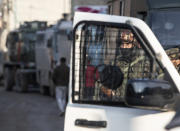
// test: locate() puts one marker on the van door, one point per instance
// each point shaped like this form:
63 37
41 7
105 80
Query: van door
108 53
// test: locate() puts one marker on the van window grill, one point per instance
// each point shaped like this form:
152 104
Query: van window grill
105 57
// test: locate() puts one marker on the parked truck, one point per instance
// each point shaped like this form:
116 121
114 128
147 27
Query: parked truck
52 44
163 19
135 93
20 66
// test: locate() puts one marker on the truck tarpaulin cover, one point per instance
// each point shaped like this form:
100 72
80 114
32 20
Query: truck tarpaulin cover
155 4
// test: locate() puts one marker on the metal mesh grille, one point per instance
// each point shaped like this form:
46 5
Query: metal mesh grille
105 58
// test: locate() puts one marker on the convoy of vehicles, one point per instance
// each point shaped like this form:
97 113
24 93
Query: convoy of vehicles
134 94
135 86
52 44
27 46
20 67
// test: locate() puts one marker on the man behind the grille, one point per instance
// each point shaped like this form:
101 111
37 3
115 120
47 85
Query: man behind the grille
90 75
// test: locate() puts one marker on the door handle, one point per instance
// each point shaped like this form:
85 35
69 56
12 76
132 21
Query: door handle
90 124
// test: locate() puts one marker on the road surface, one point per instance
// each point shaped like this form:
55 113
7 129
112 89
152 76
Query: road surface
28 112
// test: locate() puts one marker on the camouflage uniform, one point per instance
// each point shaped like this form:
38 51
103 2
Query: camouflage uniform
137 67
174 55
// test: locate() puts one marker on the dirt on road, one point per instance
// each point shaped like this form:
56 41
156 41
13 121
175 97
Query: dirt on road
28 112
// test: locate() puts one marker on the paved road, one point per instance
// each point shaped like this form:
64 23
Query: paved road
28 112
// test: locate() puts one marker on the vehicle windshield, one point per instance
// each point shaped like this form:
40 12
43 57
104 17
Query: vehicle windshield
21 46
165 25
27 52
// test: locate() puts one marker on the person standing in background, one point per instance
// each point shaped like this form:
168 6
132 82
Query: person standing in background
61 81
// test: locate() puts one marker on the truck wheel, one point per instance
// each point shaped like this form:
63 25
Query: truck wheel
21 82
8 79
44 90
24 84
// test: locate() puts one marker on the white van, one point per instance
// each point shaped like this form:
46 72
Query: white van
134 86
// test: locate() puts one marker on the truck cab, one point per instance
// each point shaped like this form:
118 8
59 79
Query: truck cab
121 77
20 66
163 17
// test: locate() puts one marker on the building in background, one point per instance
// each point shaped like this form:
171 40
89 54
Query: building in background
93 6
41 10
6 13
133 8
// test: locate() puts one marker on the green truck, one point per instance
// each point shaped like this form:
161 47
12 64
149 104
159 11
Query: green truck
20 66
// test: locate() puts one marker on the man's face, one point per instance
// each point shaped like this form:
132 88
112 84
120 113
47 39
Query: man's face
127 39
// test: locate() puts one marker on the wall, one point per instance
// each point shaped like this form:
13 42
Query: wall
138 6
115 5
131 7
45 10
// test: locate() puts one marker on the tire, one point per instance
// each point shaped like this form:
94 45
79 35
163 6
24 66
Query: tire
21 82
8 79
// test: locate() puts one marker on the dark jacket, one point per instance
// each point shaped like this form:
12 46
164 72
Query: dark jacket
61 75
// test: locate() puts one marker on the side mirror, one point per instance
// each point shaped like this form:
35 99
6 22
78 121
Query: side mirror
151 94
